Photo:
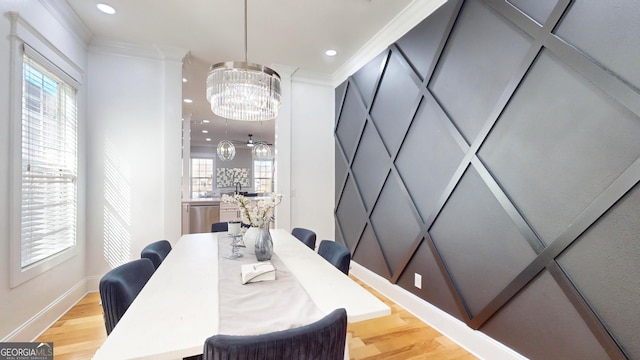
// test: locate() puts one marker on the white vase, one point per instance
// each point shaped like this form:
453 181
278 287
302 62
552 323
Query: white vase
249 239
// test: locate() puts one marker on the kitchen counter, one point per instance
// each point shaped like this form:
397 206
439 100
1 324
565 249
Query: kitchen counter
198 214
216 200
202 201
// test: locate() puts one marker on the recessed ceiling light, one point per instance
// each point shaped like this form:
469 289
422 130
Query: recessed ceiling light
331 53
208 139
106 9
205 121
205 131
184 79
188 101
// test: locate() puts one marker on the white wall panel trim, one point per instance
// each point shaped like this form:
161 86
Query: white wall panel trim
41 321
474 341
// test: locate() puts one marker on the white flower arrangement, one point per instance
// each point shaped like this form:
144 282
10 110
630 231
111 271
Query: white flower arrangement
255 213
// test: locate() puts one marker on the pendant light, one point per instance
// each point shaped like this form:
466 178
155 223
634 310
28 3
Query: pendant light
242 90
261 150
226 150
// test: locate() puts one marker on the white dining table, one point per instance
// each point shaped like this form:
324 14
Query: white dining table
179 306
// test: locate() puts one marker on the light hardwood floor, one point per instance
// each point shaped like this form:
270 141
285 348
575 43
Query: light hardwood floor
399 336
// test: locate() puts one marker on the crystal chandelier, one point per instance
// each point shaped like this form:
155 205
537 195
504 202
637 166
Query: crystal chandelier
243 91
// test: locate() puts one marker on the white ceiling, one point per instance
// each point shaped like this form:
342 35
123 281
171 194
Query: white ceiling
291 33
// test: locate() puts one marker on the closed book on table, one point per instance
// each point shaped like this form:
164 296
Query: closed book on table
262 271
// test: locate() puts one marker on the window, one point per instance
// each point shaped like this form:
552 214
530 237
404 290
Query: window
49 166
201 177
263 176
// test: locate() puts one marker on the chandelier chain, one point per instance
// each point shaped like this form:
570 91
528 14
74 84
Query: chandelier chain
246 56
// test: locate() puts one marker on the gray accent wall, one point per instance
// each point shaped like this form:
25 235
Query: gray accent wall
495 150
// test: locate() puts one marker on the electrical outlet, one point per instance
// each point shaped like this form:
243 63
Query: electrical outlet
417 281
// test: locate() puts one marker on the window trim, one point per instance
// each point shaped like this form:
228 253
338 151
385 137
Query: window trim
191 177
24 39
255 176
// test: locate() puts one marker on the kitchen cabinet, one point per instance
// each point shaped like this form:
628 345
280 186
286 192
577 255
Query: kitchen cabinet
229 212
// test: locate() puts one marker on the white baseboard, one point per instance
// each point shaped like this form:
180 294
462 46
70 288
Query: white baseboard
46 317
475 342
93 283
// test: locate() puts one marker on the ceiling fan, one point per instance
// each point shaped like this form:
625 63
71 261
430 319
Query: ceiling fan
250 142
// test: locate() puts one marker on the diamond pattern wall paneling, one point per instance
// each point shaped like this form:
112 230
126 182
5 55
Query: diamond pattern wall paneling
591 25
434 287
353 118
603 263
394 223
354 216
369 254
475 60
341 172
370 166
427 176
488 251
366 78
554 154
539 10
551 327
339 97
393 110
420 45
494 150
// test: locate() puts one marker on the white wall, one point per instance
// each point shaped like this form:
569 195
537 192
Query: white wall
129 163
312 158
134 154
33 305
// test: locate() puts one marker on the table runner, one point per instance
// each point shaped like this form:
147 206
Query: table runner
259 308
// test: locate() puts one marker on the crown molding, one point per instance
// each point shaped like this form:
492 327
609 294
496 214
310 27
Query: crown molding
151 51
284 70
411 16
301 75
312 77
65 15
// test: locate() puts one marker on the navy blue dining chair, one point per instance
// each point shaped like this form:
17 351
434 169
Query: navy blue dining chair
219 227
156 252
224 226
308 237
335 253
120 286
324 339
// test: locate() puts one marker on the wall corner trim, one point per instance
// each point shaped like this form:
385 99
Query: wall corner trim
475 342
41 321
